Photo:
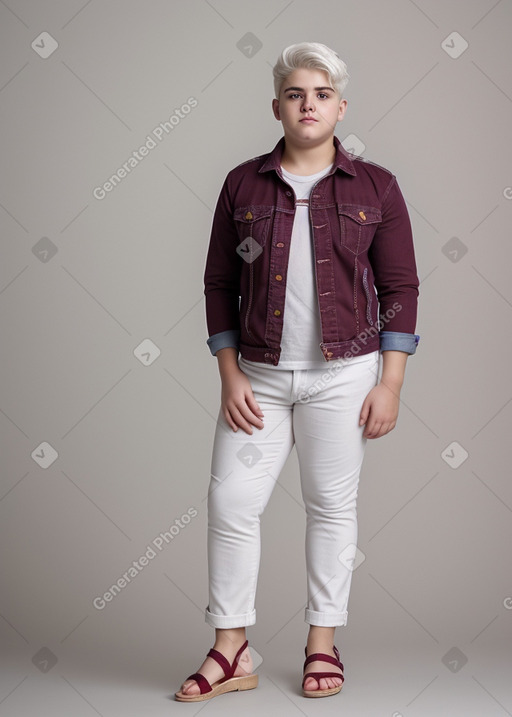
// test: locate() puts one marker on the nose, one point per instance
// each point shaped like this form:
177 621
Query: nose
307 104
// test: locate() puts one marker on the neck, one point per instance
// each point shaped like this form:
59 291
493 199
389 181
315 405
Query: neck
310 159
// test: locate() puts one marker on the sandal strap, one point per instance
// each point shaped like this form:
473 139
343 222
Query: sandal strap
219 657
201 680
335 649
322 657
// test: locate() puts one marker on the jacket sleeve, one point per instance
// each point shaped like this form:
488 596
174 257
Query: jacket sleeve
393 262
222 277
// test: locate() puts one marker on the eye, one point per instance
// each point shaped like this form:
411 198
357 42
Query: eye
292 95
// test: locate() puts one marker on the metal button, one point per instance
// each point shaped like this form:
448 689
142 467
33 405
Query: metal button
279 277
329 353
277 312
362 215
248 215
279 243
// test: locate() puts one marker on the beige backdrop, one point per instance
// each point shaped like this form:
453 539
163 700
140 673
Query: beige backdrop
109 392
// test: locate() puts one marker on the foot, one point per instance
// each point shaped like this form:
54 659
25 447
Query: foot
214 672
324 683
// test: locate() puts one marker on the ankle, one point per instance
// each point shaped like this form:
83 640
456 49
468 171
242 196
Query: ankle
230 639
320 640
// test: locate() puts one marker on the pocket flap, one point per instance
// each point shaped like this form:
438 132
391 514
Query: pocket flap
361 213
252 213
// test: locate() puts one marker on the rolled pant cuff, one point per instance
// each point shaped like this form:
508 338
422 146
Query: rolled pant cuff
324 619
227 621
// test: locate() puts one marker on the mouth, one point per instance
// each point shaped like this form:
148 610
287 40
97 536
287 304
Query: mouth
308 119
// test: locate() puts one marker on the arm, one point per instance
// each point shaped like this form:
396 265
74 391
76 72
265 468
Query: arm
221 289
396 280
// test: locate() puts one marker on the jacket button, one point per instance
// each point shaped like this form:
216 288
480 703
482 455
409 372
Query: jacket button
362 215
248 215
279 243
329 354
277 312
279 277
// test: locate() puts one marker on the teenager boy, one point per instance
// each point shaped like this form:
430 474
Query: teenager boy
311 277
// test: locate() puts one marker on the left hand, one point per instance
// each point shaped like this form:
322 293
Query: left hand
380 411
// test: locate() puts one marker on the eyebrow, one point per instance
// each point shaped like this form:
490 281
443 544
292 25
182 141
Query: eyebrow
301 89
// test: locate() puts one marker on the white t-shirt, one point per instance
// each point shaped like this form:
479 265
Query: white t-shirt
300 342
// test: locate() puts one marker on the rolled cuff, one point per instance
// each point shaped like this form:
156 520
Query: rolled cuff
231 337
225 622
323 619
398 341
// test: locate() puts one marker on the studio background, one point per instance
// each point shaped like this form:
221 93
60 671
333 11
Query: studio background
110 394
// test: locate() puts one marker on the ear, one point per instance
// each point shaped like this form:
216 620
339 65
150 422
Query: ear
342 109
275 109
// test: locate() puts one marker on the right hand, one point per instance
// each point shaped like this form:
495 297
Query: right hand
238 404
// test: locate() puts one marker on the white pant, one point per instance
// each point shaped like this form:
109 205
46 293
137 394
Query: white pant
317 410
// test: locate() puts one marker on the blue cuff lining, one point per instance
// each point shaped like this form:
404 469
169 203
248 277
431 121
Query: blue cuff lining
398 341
221 340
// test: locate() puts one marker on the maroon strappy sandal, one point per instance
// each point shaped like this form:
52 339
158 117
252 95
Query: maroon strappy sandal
227 684
318 675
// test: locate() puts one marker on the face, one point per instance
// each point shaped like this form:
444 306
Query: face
308 94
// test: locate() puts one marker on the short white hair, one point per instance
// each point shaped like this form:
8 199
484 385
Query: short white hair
313 56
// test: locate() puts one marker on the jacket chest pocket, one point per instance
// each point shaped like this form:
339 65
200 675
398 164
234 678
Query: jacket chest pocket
253 226
358 224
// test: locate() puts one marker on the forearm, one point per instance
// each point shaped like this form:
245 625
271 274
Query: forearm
393 369
227 360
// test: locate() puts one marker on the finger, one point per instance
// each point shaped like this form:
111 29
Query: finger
230 421
249 416
241 422
388 427
384 428
253 405
370 422
372 429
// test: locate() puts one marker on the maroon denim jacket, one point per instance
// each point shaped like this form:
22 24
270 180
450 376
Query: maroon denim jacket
366 278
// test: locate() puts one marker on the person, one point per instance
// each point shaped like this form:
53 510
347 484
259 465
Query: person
310 275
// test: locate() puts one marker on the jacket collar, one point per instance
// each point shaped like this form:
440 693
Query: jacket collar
341 160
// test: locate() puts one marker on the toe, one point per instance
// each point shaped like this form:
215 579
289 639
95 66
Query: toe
310 684
327 683
190 687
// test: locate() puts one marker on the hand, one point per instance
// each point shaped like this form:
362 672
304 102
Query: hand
380 411
238 403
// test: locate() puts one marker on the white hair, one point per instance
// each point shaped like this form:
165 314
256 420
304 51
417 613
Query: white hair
314 56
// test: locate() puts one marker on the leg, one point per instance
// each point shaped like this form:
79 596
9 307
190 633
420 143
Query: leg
243 474
330 448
